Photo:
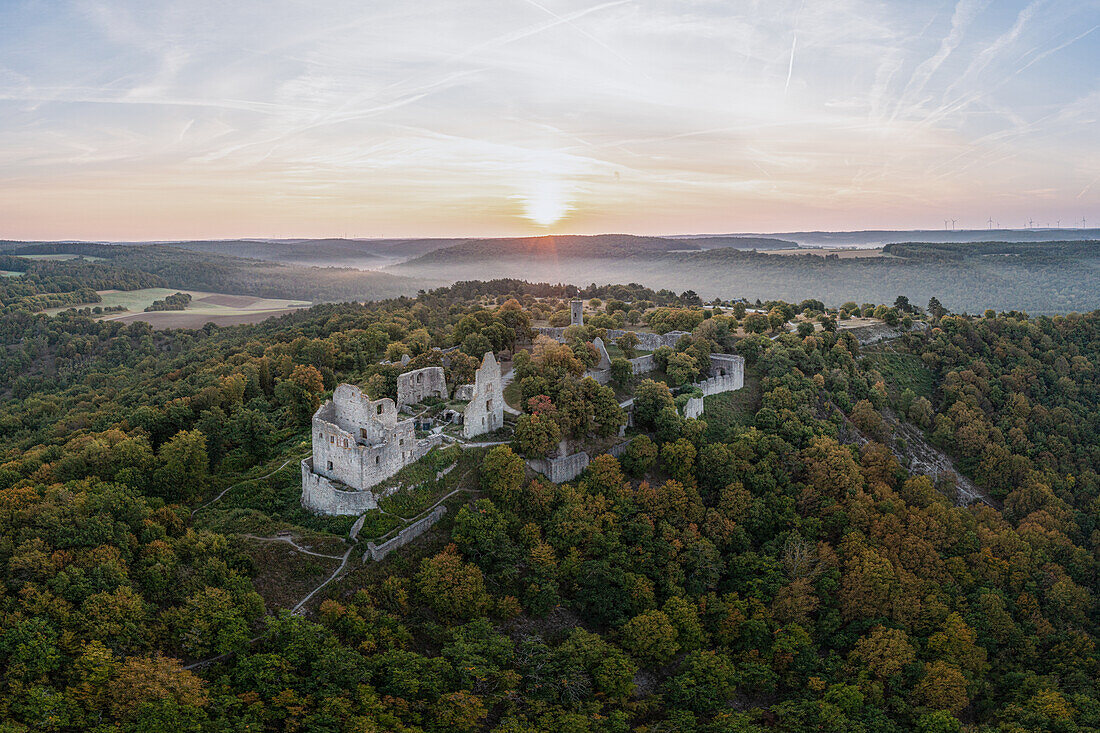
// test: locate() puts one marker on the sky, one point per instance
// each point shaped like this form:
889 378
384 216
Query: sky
173 119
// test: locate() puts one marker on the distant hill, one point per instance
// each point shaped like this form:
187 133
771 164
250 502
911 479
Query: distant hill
215 271
571 246
300 252
738 242
875 238
1041 277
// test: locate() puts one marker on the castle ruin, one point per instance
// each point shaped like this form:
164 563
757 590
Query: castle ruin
415 386
357 444
485 411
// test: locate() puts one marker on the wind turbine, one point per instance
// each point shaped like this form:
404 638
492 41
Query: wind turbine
953 224
1030 221
945 224
991 222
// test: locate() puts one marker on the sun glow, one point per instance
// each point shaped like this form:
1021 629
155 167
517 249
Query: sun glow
546 202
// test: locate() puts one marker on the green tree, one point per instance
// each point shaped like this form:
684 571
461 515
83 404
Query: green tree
184 466
650 398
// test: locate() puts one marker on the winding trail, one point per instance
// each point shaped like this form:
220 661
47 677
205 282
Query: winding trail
505 380
245 481
297 610
290 541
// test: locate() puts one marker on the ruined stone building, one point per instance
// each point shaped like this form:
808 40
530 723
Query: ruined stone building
414 386
357 444
485 411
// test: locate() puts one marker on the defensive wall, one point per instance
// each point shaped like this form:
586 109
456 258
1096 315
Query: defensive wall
405 536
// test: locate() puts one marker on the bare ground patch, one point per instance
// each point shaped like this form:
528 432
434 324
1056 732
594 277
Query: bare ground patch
284 575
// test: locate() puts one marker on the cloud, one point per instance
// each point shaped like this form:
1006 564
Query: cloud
639 116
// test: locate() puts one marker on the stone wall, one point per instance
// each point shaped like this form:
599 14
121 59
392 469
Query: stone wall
555 332
642 364
646 341
405 536
873 333
717 385
319 494
560 469
721 364
601 377
485 411
693 407
414 386
618 449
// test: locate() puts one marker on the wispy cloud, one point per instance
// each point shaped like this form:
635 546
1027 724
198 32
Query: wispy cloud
122 118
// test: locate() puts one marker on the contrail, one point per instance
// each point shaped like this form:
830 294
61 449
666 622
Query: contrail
790 68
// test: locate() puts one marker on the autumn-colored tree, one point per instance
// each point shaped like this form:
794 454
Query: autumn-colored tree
640 455
831 469
502 474
628 344
942 687
884 652
140 680
650 637
536 435
650 398
452 588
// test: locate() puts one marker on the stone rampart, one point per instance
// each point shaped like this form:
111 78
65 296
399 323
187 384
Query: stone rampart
646 341
693 407
561 469
405 536
601 377
718 385
618 449
642 364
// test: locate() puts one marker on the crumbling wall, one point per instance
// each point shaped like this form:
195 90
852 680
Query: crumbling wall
648 341
717 385
485 411
642 364
405 536
414 386
601 350
721 364
320 494
560 469
693 407
601 377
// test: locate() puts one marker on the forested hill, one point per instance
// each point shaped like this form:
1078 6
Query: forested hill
182 268
1046 277
780 565
552 247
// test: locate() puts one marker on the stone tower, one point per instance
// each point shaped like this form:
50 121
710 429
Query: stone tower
576 313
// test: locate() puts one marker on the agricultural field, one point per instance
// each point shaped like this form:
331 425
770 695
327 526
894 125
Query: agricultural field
9 273
205 307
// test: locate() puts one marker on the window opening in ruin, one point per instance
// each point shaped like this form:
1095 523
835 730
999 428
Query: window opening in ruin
330 465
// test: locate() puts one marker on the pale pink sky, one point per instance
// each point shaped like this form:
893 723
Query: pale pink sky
136 120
